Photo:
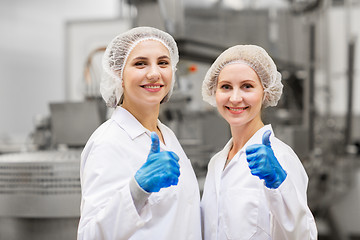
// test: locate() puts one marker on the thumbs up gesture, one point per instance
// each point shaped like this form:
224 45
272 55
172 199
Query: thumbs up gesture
161 169
263 163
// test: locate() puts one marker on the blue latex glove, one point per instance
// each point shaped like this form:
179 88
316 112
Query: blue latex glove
263 163
160 170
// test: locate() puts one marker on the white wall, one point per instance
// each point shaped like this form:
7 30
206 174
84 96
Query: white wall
32 57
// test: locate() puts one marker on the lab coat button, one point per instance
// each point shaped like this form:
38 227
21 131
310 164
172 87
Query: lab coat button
139 224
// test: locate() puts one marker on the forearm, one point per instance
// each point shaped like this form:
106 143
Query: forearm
291 217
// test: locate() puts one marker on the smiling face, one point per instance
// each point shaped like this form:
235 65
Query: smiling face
239 95
147 75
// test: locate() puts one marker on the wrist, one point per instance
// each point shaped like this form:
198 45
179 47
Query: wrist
138 194
277 179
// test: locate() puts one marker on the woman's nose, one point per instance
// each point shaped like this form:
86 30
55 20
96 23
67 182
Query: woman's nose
153 73
236 96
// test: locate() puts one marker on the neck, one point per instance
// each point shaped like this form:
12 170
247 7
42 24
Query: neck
242 134
146 115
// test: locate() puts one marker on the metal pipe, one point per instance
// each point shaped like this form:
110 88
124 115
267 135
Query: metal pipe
311 84
350 80
351 41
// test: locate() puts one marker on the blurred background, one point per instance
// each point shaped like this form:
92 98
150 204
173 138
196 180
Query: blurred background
50 67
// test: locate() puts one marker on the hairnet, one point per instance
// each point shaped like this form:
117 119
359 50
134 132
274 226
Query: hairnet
256 58
116 55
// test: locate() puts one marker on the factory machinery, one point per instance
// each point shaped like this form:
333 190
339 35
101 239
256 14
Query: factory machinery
40 189
40 194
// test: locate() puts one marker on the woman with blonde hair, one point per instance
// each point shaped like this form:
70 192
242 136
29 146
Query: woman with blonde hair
256 186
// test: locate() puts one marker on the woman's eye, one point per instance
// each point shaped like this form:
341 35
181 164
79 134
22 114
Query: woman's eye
225 86
140 63
247 86
163 63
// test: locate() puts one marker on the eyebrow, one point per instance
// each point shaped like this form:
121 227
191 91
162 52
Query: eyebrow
144 58
140 58
164 56
242 81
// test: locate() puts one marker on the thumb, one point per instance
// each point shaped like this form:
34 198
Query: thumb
155 143
266 138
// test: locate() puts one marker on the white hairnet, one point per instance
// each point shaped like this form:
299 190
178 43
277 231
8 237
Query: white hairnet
256 58
116 55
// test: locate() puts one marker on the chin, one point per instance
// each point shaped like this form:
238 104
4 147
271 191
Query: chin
153 101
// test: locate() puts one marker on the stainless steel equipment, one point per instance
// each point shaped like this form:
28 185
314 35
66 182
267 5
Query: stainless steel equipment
73 122
39 191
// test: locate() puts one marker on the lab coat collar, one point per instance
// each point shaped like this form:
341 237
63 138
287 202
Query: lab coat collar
134 128
128 122
221 158
257 137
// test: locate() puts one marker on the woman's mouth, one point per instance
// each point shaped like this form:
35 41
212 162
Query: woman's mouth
152 87
237 110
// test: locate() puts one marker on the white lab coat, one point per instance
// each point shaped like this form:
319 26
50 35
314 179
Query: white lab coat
237 205
110 159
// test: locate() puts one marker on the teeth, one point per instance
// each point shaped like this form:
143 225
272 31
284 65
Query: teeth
152 87
237 109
